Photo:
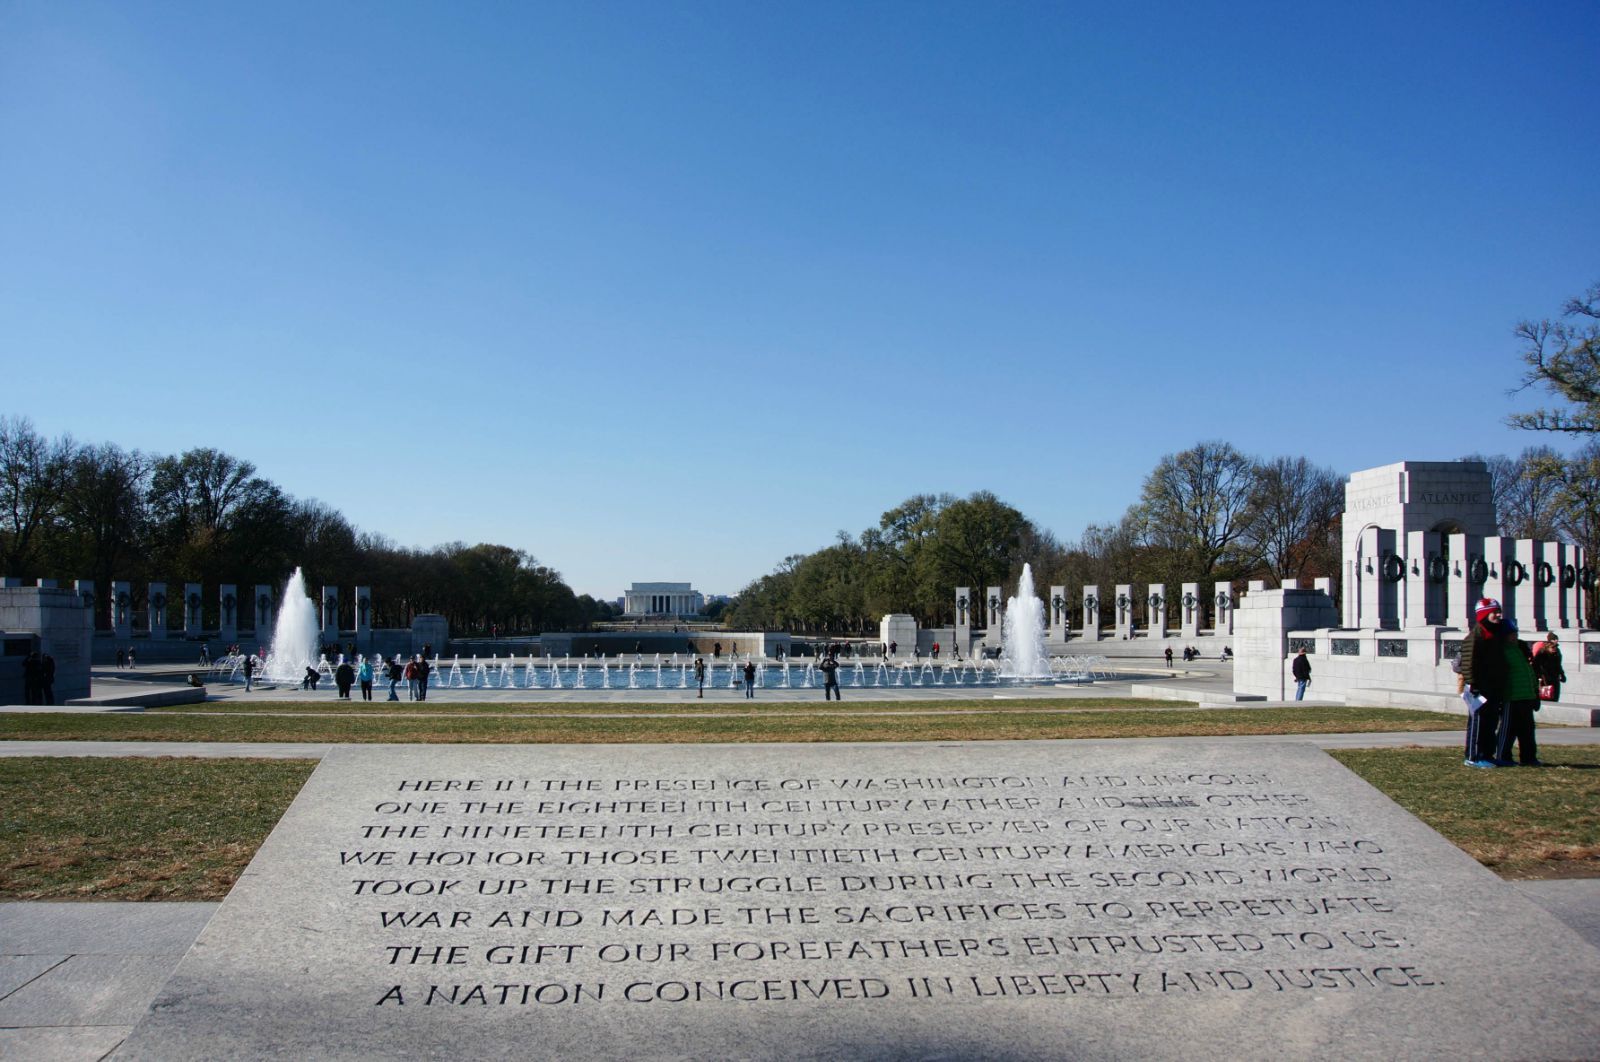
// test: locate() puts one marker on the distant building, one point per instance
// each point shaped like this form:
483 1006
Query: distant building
662 599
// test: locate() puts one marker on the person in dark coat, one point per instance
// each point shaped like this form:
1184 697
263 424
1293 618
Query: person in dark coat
749 679
30 678
830 678
344 676
1302 674
423 670
1484 673
700 675
1547 666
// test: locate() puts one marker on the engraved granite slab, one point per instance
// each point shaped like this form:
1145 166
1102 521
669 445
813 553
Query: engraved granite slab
999 899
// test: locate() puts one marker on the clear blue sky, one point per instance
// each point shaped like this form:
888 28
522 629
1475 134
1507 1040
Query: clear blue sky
671 290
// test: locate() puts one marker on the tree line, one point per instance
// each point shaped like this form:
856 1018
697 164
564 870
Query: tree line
97 511
1206 514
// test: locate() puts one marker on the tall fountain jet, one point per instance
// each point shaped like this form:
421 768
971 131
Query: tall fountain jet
1023 655
297 634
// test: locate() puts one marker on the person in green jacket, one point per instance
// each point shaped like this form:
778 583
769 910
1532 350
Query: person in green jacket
1522 700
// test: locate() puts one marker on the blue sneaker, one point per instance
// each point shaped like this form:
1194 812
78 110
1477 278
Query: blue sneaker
1481 763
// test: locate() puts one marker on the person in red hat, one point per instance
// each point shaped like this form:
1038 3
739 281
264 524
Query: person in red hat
1484 671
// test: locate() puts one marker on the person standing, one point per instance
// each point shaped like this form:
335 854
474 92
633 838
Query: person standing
132 663
1168 655
1522 700
830 678
397 671
344 676
700 675
1547 667
364 676
122 657
1484 673
749 680
249 673
423 670
31 679
1301 669
894 648
411 679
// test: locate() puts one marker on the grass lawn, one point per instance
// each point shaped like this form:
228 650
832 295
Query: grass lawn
136 829
940 721
1520 822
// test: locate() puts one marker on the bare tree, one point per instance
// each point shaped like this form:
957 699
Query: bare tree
1563 357
1294 504
33 472
1525 490
1196 506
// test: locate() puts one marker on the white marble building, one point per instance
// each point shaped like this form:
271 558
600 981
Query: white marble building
662 599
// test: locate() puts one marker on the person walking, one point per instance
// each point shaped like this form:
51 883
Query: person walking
364 676
749 680
1547 668
122 657
700 675
1484 674
894 648
423 670
1522 700
344 676
411 678
1301 669
397 671
132 663
249 673
830 678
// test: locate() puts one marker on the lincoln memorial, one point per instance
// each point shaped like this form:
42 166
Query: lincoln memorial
662 599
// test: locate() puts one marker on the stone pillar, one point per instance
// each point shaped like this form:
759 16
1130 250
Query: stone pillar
1261 646
1523 583
1091 613
121 610
9 581
363 616
330 615
46 584
1190 607
1495 550
228 613
1155 599
1566 562
85 589
995 604
64 629
1459 593
964 605
265 610
1580 592
156 609
1222 597
1056 615
192 611
1414 580
1547 584
1124 616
